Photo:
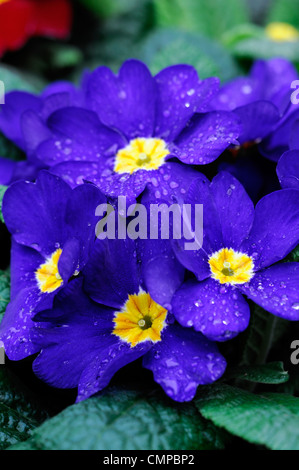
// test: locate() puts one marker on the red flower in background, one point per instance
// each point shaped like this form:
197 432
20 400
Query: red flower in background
22 19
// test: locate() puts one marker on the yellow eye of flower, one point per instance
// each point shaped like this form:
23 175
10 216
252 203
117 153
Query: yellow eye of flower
141 154
4 1
141 319
282 32
231 267
47 275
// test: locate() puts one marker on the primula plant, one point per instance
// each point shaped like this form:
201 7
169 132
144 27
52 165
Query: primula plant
149 283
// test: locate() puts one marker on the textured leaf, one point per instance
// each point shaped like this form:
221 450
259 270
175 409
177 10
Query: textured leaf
9 150
169 47
264 329
126 420
19 413
272 373
270 419
264 48
200 16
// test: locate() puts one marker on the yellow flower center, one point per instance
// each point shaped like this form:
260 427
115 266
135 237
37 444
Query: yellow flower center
4 1
47 275
141 319
231 267
282 32
141 154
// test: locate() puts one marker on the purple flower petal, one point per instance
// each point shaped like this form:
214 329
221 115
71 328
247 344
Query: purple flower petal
126 102
235 209
288 169
16 102
207 136
219 311
183 360
275 229
276 289
103 282
35 212
257 119
78 135
180 95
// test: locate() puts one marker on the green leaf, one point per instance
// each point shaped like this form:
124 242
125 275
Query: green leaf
201 16
126 420
19 413
4 291
270 419
2 192
286 11
168 47
264 329
294 255
271 373
264 48
9 150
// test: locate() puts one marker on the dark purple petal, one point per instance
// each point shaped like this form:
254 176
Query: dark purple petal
272 76
183 360
16 326
113 356
275 229
24 262
196 260
180 95
257 119
103 282
34 131
16 103
172 182
288 169
238 92
294 138
77 344
234 207
276 289
207 136
35 212
125 102
79 136
74 173
278 141
219 311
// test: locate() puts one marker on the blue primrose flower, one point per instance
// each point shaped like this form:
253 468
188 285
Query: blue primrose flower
239 255
128 126
53 229
112 319
263 104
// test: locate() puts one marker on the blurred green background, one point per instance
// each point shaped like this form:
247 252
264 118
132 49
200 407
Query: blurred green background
218 37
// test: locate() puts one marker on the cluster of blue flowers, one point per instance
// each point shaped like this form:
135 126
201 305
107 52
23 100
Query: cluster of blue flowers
89 306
